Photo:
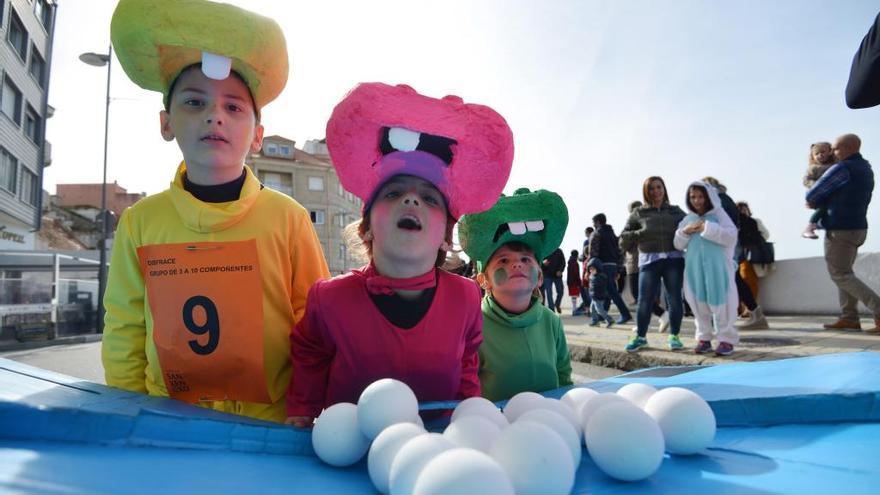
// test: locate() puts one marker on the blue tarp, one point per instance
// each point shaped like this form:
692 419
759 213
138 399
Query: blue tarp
806 425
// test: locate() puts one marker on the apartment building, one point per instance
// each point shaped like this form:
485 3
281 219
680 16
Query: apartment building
26 30
308 176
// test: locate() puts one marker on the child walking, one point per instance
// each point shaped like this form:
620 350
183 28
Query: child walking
573 280
820 160
208 277
524 347
708 236
418 164
598 293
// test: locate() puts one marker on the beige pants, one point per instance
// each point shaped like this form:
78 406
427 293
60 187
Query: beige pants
841 247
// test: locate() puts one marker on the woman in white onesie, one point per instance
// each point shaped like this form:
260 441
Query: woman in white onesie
709 237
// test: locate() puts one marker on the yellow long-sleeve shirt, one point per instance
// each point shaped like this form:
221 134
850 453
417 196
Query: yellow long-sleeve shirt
289 257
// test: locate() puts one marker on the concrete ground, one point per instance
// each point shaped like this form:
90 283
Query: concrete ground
788 336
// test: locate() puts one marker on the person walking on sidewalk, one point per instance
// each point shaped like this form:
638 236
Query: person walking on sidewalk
604 245
845 192
573 281
552 267
598 292
652 227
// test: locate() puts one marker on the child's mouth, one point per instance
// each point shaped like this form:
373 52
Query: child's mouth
214 138
409 223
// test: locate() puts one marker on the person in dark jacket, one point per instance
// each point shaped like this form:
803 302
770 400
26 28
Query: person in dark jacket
604 246
552 267
757 320
598 292
863 87
845 192
652 228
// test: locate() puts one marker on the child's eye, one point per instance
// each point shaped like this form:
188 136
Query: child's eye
391 194
431 199
525 260
193 102
232 107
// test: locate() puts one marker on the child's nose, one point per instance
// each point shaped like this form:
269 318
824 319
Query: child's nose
411 199
213 114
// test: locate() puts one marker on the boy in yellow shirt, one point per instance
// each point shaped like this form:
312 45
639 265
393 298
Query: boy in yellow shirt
207 278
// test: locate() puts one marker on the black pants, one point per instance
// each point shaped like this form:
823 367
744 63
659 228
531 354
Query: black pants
745 293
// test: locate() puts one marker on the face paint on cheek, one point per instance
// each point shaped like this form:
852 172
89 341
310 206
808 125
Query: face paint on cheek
499 276
533 275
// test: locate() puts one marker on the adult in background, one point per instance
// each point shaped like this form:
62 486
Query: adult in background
743 291
651 227
752 233
863 87
845 192
604 246
631 261
573 281
553 266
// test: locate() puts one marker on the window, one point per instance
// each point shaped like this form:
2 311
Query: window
43 11
38 66
317 217
32 125
349 196
17 36
316 183
339 190
285 150
10 101
341 254
8 171
30 189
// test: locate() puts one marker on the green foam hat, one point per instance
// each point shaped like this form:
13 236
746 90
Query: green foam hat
537 219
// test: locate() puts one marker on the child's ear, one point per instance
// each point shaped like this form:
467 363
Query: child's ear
483 280
165 126
257 143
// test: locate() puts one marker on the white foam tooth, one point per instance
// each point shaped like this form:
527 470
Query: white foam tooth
517 228
403 139
535 225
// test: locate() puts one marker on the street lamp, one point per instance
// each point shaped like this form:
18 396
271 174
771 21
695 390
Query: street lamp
100 60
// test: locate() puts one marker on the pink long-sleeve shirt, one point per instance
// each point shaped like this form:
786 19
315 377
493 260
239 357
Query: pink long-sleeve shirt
344 343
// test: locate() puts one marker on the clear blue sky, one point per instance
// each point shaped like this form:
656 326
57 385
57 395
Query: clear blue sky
599 94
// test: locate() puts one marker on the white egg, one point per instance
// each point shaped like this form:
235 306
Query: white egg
561 426
535 459
687 421
463 471
593 404
637 393
624 442
411 458
385 447
520 403
482 407
337 438
386 402
475 432
564 411
576 397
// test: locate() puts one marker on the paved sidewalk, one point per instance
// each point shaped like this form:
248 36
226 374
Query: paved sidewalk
788 336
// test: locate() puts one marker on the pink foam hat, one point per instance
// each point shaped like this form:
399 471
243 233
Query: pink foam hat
378 131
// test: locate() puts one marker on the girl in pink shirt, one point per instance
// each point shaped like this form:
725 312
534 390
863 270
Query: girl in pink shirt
418 164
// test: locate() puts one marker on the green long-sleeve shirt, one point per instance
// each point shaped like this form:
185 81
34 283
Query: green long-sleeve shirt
522 352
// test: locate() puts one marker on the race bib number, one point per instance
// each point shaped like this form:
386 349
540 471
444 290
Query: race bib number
206 300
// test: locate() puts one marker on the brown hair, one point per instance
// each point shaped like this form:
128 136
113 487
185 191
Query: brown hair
361 250
707 205
647 184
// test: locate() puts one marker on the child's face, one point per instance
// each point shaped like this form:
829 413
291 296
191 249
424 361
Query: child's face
698 200
593 270
408 219
213 121
822 153
512 271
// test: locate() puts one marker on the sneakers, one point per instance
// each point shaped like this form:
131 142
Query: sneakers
703 347
594 323
724 349
843 324
664 322
756 321
559 309
636 343
876 329
609 324
622 320
810 232
674 343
